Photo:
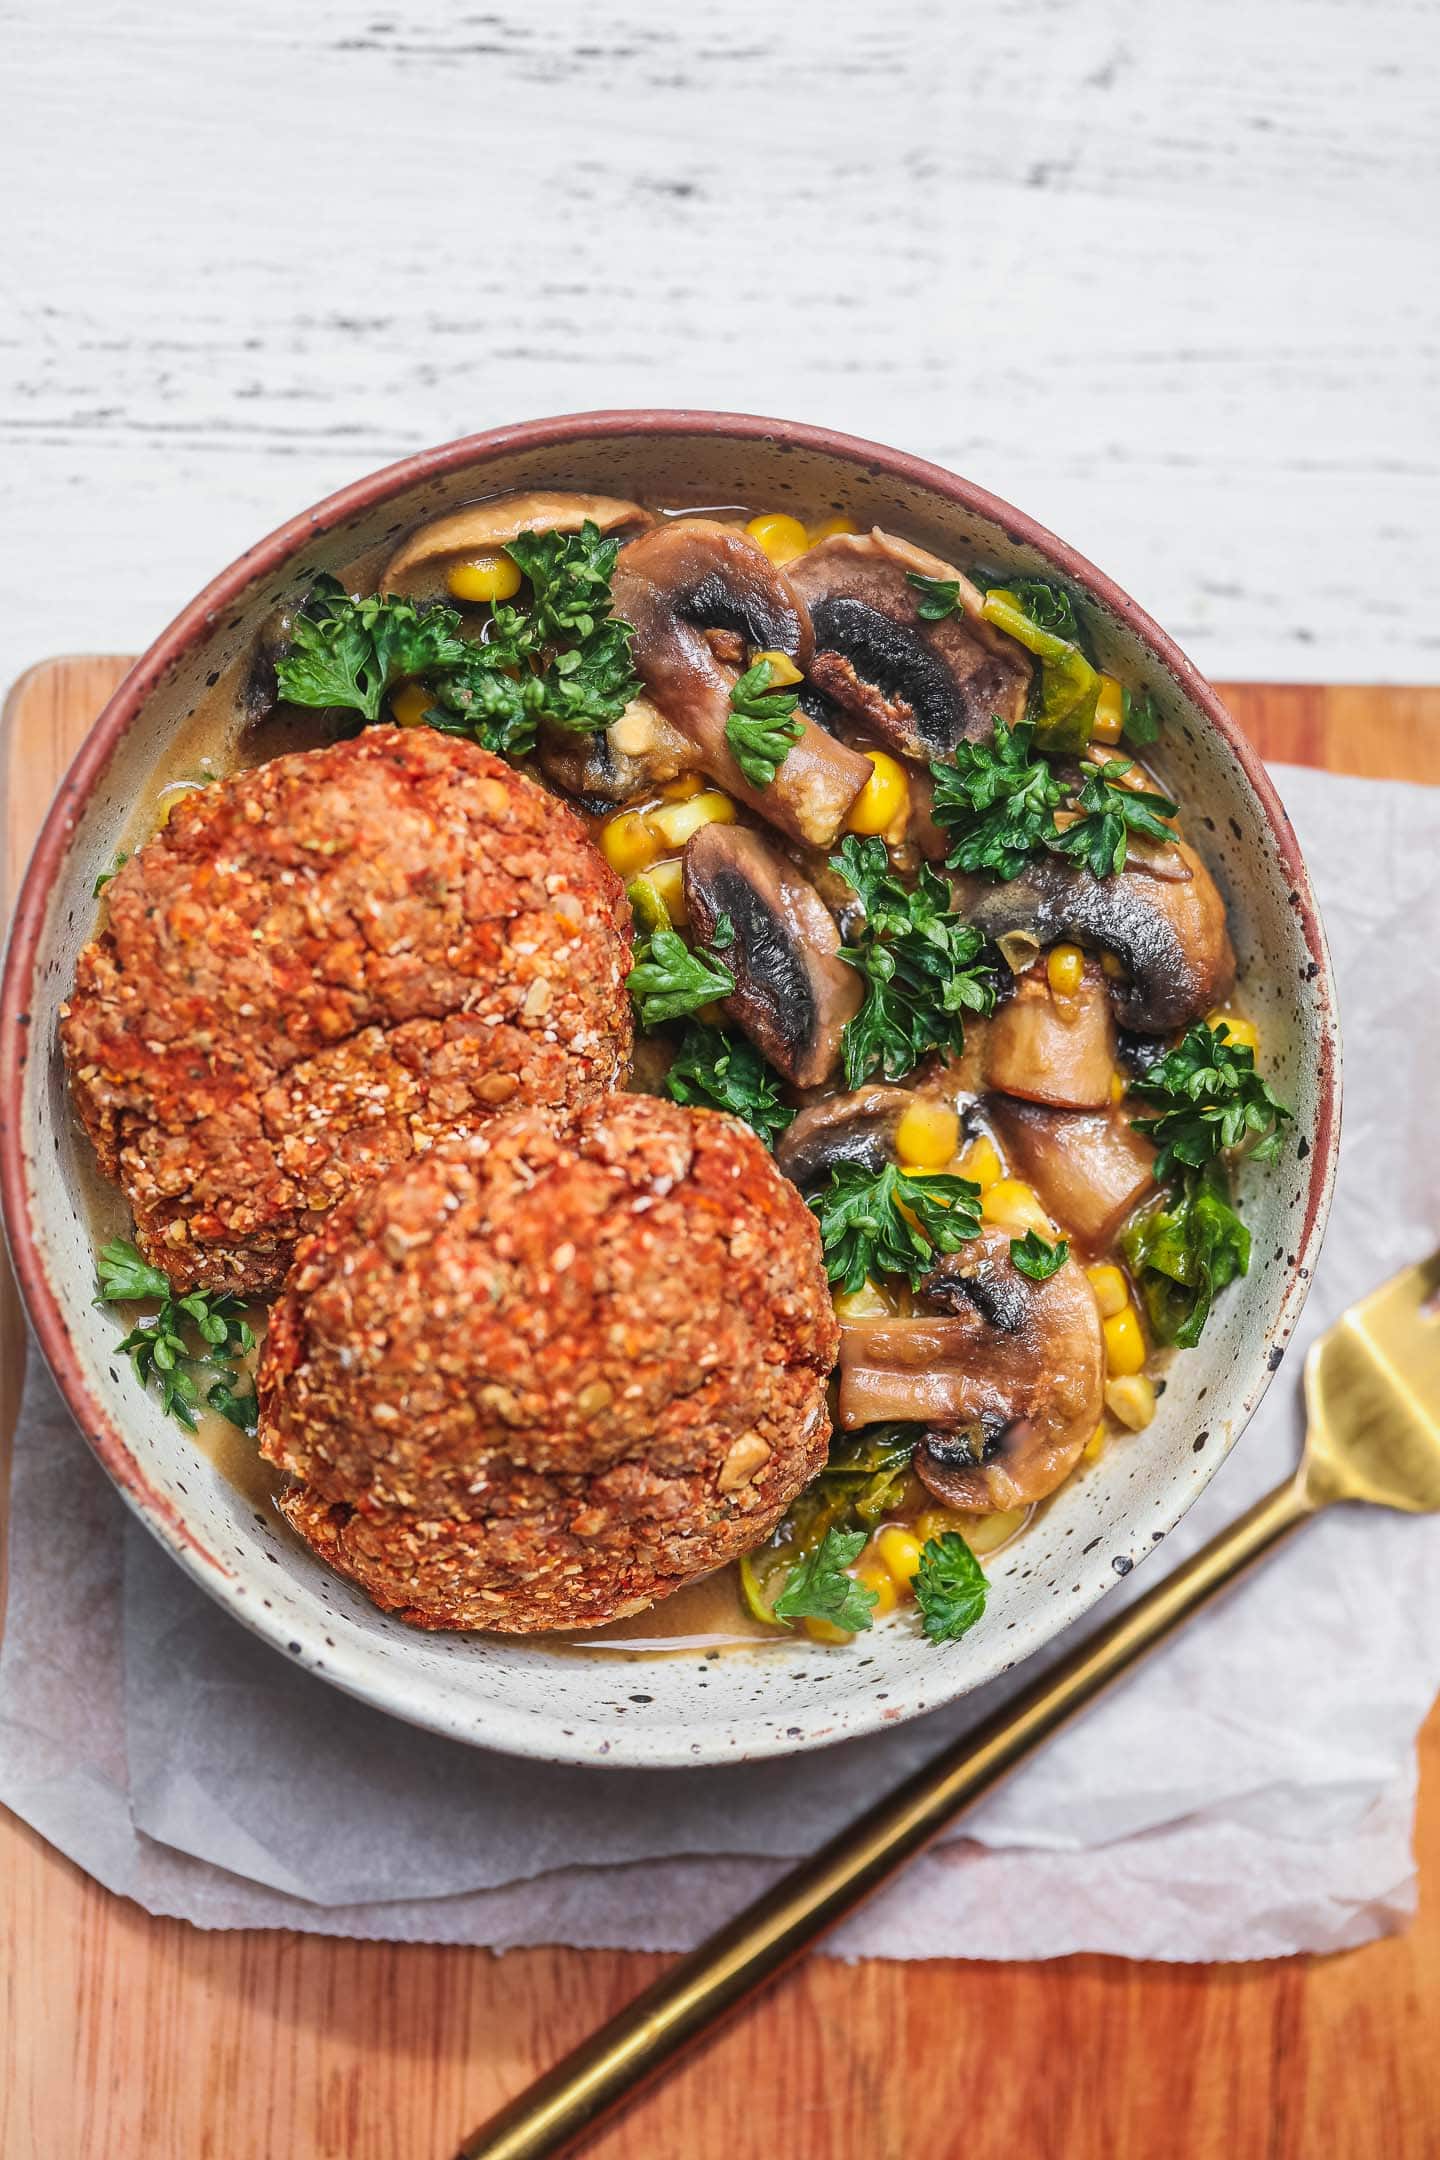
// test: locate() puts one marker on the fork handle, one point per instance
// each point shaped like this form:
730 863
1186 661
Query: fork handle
732 1964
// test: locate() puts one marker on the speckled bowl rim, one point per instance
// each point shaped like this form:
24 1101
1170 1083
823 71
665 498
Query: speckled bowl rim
514 1730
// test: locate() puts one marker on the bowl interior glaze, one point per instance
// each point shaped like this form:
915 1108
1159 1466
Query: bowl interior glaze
523 1697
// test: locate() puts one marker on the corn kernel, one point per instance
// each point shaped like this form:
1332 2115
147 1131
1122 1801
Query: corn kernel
488 577
781 537
869 1302
1094 1447
628 844
829 527
1132 1400
681 789
1113 966
879 1579
1064 967
668 880
1117 1087
783 670
1243 1032
1124 1343
824 1631
410 703
935 1522
1011 1204
673 823
928 1134
1112 1292
981 1163
986 1533
885 798
1109 711
899 1550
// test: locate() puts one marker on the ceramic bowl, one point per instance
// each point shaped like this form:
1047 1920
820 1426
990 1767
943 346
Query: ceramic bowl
684 1707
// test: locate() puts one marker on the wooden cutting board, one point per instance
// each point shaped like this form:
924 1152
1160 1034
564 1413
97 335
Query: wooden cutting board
126 2036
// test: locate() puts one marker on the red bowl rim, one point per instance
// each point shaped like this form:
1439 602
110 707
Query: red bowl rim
196 620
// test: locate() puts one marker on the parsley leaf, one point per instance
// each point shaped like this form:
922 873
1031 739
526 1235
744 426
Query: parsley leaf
161 1349
1209 1099
950 1587
918 958
1037 1259
727 1072
563 658
1140 717
939 597
347 652
997 801
1113 811
863 1230
669 979
761 729
1181 1253
241 1410
818 1587
1047 607
117 864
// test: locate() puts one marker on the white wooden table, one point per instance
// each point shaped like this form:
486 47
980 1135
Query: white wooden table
1162 275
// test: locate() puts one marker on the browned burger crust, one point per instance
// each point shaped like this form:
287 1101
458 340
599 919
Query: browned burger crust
317 968
543 1377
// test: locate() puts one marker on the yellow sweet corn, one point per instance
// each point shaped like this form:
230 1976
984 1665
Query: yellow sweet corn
981 1163
1132 1400
1012 1205
829 527
410 703
781 537
882 1582
783 670
628 844
927 1135
1064 967
1241 1031
674 822
486 578
1112 1292
899 1550
1124 1343
1109 712
884 801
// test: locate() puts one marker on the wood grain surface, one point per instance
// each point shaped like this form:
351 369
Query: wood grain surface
122 2036
1156 274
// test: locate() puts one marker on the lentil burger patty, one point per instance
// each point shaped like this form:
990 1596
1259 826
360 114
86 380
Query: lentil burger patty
320 966
544 1376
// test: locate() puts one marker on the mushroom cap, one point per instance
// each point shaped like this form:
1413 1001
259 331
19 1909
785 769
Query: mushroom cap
1164 919
417 568
858 1127
1008 1373
793 993
696 576
921 687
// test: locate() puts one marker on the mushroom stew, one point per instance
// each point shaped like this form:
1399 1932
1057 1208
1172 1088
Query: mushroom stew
912 903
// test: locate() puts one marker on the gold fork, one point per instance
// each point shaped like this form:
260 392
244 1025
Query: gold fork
1372 1397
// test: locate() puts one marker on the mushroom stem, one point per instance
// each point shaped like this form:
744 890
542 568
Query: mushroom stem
672 586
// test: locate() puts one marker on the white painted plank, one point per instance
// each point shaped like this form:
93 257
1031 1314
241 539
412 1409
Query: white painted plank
1163 276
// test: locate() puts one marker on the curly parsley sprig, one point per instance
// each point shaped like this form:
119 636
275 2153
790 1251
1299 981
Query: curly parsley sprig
162 1349
819 1586
727 1072
998 802
1209 1100
670 979
950 1587
921 964
562 657
888 1222
762 728
1112 811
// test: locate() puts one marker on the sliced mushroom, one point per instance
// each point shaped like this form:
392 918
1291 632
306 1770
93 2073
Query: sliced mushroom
695 576
859 1127
419 564
1049 1049
1008 1376
921 687
637 754
1169 931
1090 1169
793 994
